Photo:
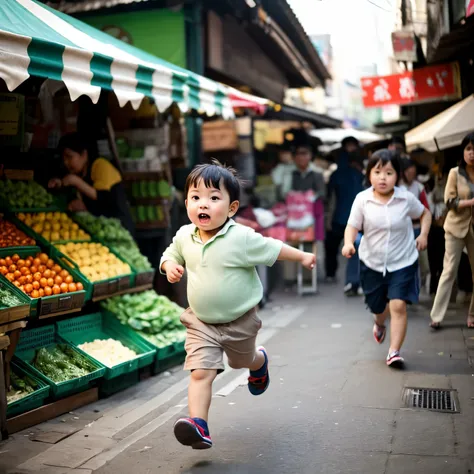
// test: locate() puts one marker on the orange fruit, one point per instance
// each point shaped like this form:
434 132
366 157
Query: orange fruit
20 263
37 276
36 285
41 292
22 280
28 263
56 290
48 291
50 263
33 269
12 268
34 294
50 282
43 257
28 288
3 270
24 270
42 268
8 261
36 262
9 276
72 287
16 284
64 273
58 280
43 282
47 273
29 278
79 286
64 287
2 262
15 258
53 273
68 279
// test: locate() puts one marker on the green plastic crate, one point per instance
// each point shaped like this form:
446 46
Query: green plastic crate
34 339
118 384
168 357
15 313
104 326
55 303
31 401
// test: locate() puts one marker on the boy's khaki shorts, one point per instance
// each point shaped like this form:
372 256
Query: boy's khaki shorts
206 343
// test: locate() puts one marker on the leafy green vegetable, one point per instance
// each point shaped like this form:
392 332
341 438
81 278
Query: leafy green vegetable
153 316
110 230
62 363
20 387
24 194
8 299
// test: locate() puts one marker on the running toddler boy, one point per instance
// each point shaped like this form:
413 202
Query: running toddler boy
223 291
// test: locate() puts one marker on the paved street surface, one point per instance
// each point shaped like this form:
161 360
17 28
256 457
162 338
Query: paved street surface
333 406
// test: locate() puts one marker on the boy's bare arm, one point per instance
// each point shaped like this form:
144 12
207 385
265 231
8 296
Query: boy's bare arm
291 254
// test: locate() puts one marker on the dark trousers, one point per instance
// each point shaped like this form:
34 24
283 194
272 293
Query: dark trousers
332 244
436 246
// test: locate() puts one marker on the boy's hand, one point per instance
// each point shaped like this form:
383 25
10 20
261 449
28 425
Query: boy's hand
421 243
308 260
174 272
348 250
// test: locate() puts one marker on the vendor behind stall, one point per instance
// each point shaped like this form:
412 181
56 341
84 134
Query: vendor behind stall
98 182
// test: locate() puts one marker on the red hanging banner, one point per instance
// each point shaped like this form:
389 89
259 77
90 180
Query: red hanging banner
428 84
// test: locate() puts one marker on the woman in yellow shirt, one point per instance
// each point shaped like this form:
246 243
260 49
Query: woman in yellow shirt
98 182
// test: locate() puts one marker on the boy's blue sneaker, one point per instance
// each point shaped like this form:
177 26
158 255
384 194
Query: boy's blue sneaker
193 432
259 380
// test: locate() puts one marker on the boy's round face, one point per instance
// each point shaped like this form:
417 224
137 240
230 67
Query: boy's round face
209 208
383 178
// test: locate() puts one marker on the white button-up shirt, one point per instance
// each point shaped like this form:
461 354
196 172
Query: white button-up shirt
388 243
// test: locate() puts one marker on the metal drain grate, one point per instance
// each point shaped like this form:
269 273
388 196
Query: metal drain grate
445 401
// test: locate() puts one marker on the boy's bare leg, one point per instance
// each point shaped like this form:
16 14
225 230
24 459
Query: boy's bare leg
398 324
258 361
200 392
381 318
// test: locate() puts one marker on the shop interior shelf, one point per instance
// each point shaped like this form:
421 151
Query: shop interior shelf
32 400
14 313
45 337
105 326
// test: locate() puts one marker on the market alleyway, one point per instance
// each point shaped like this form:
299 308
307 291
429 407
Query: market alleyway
333 407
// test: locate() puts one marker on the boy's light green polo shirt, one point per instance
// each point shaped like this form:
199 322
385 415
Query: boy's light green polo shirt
222 280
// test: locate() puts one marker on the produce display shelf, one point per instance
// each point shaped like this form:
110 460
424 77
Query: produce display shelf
104 326
54 304
117 384
167 357
46 337
39 238
96 290
15 313
32 400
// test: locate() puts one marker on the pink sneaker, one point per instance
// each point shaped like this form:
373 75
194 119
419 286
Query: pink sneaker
395 359
190 433
379 333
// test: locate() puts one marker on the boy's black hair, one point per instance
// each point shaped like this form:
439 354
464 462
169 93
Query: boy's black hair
382 158
469 138
212 175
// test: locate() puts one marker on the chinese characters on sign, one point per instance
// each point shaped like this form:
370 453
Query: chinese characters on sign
404 46
429 84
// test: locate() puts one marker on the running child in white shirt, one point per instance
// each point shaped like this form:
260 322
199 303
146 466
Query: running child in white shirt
388 254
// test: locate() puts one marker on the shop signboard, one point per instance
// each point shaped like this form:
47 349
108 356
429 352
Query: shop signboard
219 135
404 46
469 7
428 84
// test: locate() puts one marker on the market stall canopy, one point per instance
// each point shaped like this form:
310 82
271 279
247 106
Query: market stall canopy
444 130
242 100
36 40
336 135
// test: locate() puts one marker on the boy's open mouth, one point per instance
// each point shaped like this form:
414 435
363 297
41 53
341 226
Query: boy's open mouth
204 218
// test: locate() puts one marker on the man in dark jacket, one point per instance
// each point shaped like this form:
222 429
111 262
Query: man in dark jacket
344 185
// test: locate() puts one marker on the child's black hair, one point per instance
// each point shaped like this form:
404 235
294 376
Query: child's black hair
73 141
469 138
382 158
212 175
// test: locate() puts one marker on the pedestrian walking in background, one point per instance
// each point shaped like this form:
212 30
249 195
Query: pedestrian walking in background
220 257
344 185
458 229
388 253
411 184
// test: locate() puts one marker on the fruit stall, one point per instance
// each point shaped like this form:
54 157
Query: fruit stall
83 290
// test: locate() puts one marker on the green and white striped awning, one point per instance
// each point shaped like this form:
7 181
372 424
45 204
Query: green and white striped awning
36 40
